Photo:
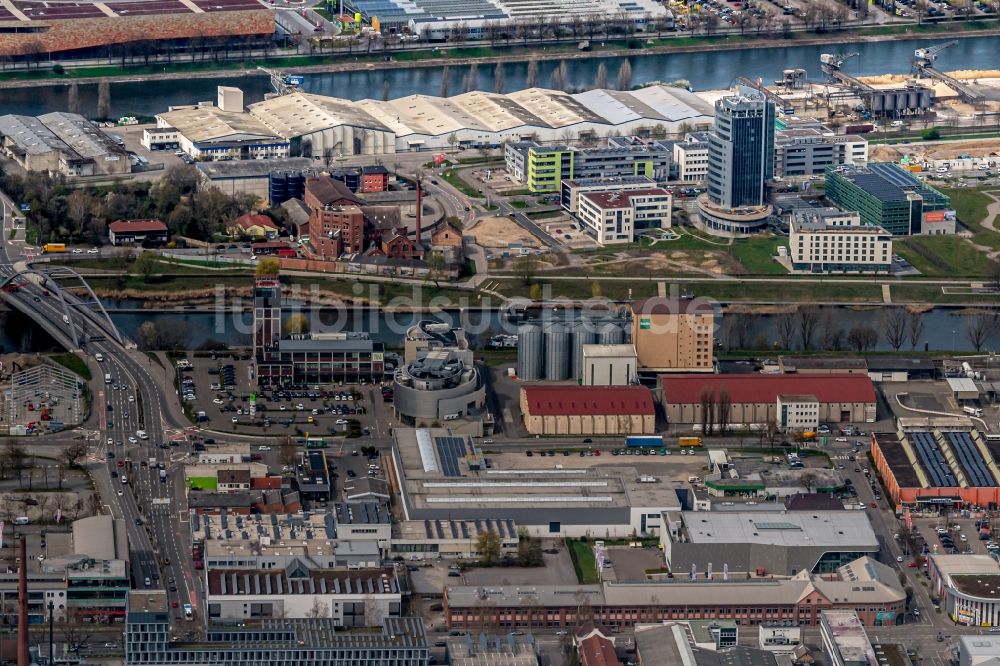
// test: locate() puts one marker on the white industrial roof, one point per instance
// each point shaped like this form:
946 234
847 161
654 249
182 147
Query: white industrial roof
780 528
210 123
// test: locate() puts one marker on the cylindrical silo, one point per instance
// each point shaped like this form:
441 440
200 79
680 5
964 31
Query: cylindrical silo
558 345
530 353
583 334
610 333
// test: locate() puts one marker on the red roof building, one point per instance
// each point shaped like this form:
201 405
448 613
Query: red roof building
587 410
754 398
254 225
129 232
596 650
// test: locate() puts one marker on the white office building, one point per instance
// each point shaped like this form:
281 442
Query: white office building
691 157
807 151
798 412
830 240
614 217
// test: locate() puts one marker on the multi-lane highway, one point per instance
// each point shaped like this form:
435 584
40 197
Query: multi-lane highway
138 421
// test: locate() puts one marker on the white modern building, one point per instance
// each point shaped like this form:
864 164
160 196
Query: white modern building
691 157
808 150
829 240
572 189
608 365
798 412
614 217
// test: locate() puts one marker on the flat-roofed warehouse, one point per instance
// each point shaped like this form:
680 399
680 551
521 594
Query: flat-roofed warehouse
938 462
777 542
442 476
63 143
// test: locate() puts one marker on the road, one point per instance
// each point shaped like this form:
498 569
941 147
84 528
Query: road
138 394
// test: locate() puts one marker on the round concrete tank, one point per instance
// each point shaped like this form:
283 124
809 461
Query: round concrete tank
610 334
584 333
558 345
530 353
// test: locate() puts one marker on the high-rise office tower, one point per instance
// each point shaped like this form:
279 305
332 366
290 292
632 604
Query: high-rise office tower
740 162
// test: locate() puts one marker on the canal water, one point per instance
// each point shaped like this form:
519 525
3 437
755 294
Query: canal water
705 70
944 328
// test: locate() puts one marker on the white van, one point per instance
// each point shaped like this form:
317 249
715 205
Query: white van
107 377
22 520
99 356
141 434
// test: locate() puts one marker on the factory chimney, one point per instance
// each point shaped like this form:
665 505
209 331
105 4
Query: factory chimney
22 607
420 210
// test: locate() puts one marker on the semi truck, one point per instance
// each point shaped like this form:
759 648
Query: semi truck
49 248
689 441
644 440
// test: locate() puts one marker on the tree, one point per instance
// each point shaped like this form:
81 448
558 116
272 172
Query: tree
318 610
145 265
808 320
268 267
529 549
287 451
595 289
706 399
297 324
895 327
601 81
809 480
452 139
436 264
739 326
931 134
531 79
103 100
625 76
488 547
472 80
980 328
916 328
785 329
526 268
444 82
535 292
72 453
862 337
724 410
73 98
15 456
498 79
147 335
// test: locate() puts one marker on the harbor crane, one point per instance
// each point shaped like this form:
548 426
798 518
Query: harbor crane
923 66
282 83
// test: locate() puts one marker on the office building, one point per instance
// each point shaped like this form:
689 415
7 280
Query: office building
828 240
545 167
673 335
62 143
753 398
809 150
871 587
439 385
775 542
890 197
615 217
691 157
609 365
740 162
798 412
306 358
306 642
845 642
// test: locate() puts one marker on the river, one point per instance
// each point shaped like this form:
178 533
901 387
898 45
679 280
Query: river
705 70
944 328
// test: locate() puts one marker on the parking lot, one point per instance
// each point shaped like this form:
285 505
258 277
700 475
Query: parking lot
219 389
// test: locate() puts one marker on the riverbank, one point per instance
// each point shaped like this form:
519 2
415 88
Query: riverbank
341 61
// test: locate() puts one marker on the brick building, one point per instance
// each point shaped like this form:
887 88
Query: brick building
334 208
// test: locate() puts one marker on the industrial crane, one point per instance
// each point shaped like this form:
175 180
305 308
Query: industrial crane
831 64
282 83
923 65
